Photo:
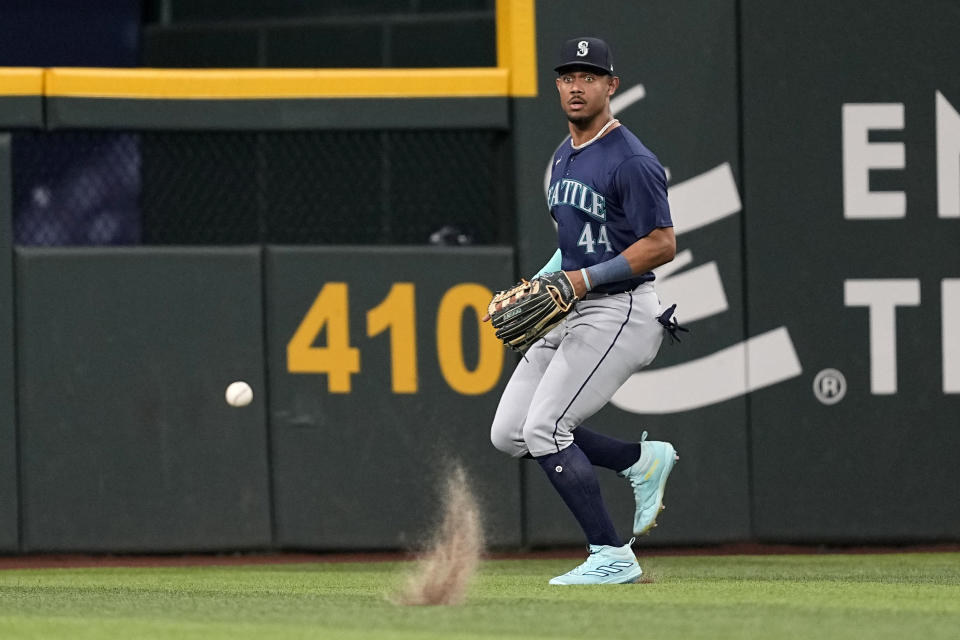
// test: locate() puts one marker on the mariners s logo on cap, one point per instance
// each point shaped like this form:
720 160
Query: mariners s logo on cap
590 53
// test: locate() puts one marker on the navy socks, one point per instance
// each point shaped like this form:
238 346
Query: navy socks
572 475
577 484
605 451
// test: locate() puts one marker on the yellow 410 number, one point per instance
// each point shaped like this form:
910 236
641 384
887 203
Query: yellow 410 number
397 315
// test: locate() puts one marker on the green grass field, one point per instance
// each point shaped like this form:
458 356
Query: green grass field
800 596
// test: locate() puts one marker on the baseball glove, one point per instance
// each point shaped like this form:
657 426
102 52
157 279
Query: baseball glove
525 313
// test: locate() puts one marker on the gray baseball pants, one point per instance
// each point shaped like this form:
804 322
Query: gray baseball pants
573 371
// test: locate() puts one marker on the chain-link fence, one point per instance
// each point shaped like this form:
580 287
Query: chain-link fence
314 187
76 188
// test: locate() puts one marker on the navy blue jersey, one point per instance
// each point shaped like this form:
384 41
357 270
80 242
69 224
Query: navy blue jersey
604 197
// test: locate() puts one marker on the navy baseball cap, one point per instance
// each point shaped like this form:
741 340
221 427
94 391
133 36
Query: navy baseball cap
592 53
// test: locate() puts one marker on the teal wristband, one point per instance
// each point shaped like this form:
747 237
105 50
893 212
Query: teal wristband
613 270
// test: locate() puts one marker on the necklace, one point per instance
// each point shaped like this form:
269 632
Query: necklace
594 138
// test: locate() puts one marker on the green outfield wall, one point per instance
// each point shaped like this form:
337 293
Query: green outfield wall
852 159
381 377
127 443
9 517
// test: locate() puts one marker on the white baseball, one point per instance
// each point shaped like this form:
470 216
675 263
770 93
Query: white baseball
239 394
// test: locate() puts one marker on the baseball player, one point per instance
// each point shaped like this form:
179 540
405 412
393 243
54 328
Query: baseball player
608 197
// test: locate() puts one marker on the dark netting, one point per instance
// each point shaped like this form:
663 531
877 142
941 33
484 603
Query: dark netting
201 188
392 187
309 187
327 187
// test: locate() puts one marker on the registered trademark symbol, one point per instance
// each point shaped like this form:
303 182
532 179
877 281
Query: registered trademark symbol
829 386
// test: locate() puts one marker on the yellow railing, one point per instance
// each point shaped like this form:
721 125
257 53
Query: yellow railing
514 75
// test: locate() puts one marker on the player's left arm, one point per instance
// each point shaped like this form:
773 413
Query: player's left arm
649 252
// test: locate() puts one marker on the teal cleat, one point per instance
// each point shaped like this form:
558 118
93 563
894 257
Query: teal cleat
606 565
648 477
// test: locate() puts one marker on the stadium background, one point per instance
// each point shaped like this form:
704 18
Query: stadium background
332 239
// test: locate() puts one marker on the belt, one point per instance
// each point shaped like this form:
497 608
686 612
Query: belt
596 295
